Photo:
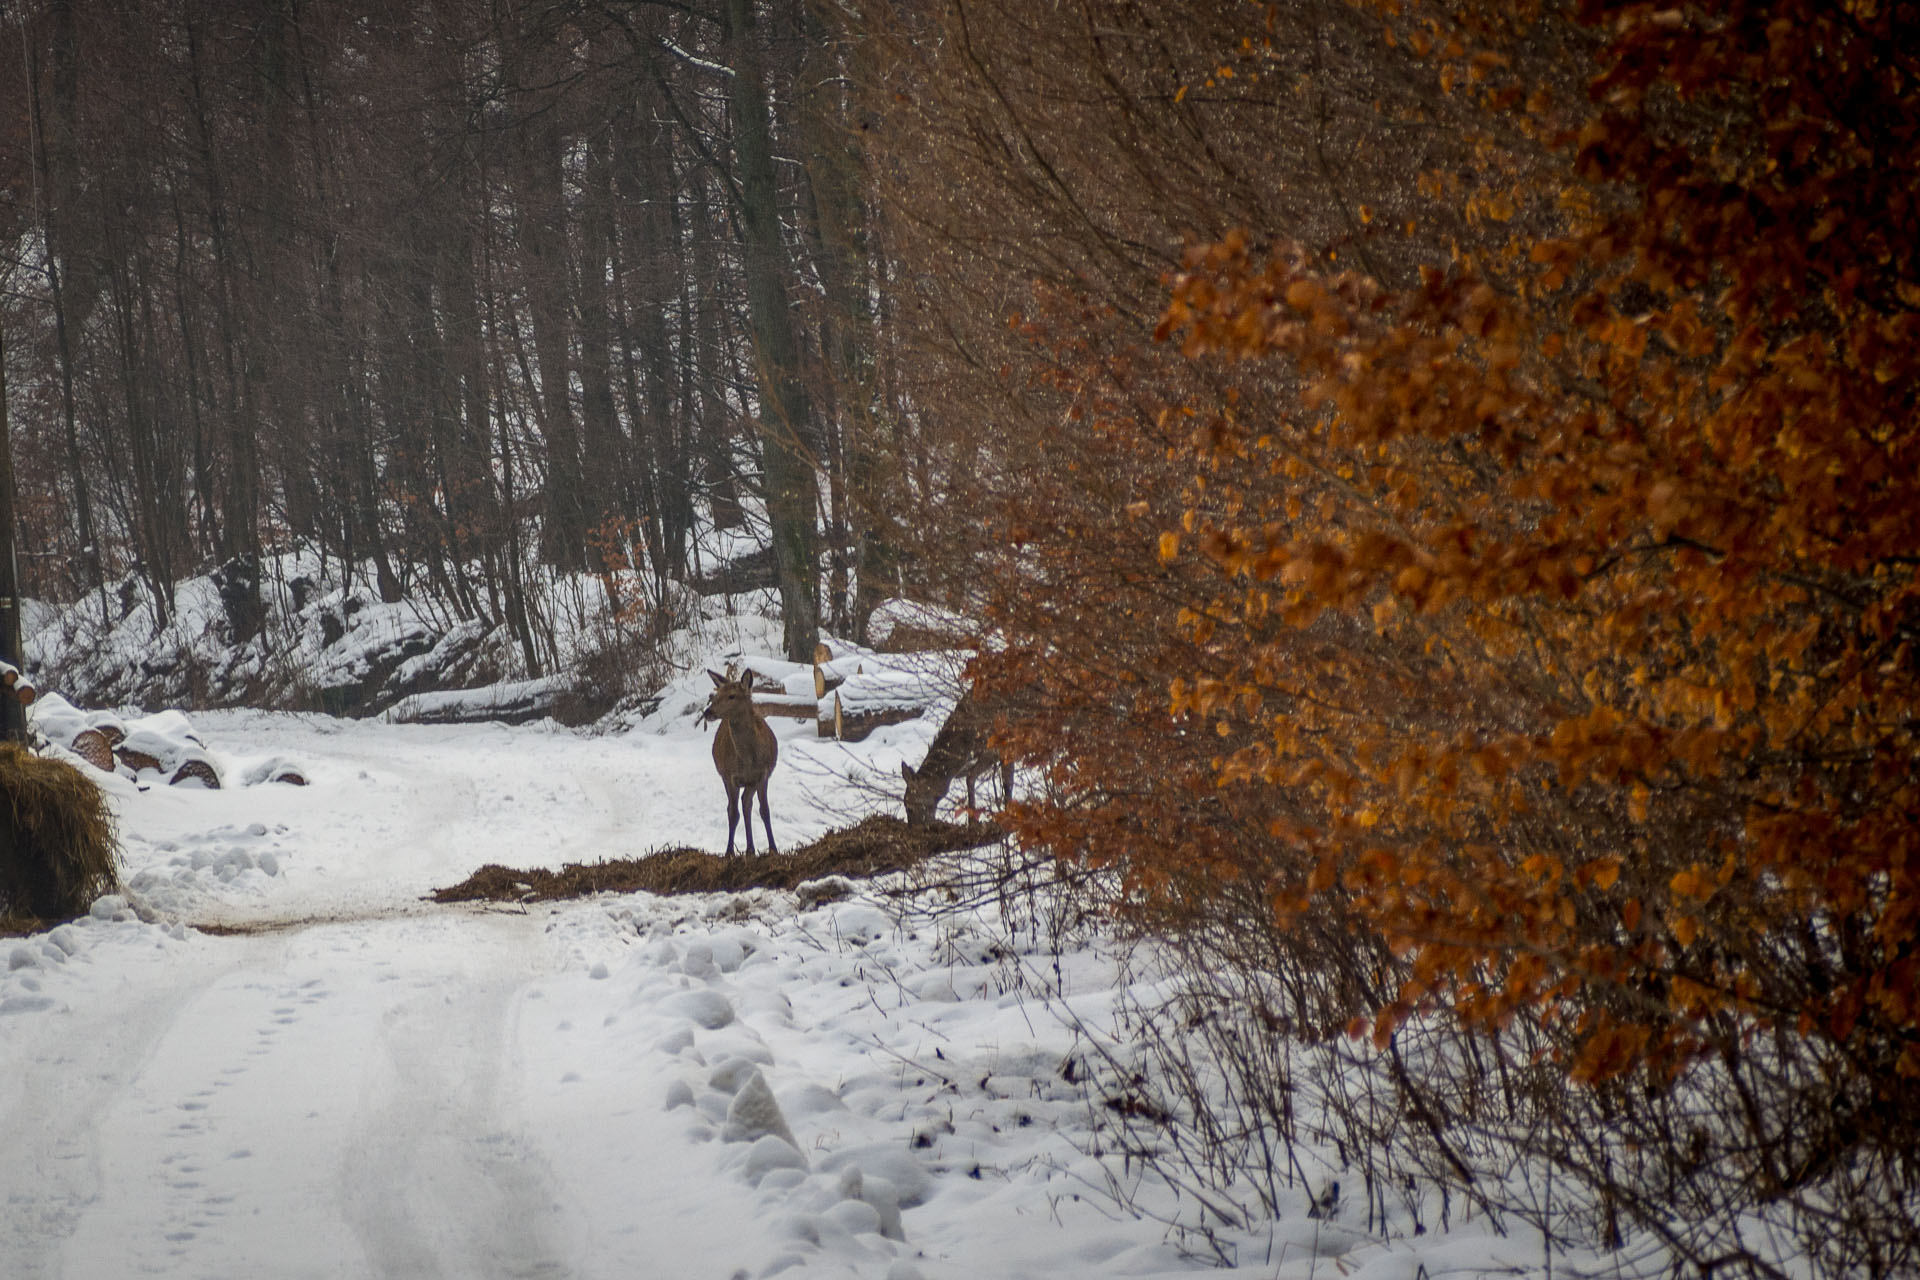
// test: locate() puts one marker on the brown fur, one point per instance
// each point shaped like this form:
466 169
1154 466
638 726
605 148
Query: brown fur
959 750
744 751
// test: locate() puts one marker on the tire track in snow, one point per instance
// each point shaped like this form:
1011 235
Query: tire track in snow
317 1110
51 1109
433 1185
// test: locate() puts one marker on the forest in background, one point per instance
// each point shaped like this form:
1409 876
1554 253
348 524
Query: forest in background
457 294
1436 485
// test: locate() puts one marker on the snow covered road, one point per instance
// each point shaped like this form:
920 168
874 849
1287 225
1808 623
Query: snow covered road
327 1094
361 1083
335 1093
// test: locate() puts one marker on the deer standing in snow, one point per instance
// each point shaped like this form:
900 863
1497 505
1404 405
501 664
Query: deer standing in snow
744 751
959 750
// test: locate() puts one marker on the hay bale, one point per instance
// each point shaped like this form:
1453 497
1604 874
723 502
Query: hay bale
56 838
95 748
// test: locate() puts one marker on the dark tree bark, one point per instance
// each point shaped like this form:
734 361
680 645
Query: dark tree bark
13 720
789 435
539 143
56 133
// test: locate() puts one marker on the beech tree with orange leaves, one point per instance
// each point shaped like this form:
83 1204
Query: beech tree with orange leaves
1479 618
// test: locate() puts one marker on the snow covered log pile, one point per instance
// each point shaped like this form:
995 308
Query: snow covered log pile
850 696
16 685
163 746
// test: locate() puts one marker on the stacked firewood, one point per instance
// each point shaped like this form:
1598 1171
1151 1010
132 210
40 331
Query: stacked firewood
14 684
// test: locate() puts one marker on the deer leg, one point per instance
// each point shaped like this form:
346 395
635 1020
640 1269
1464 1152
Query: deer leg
733 816
766 820
972 803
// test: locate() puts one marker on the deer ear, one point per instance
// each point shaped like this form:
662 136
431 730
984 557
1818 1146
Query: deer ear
719 681
906 771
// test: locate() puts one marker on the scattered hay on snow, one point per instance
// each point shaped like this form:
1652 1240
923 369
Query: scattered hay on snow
874 847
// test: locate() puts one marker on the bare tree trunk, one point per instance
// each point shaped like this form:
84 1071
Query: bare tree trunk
653 260
789 436
831 152
703 327
538 194
13 720
56 165
603 475
240 496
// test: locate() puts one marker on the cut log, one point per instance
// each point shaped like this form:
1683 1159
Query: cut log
93 746
852 726
786 705
195 770
138 761
16 684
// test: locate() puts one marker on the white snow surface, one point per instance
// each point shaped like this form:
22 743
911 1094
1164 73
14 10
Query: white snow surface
364 1083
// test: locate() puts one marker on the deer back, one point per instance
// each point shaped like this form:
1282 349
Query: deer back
959 750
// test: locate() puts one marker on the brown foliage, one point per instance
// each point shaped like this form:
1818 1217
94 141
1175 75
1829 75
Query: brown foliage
1500 620
1635 535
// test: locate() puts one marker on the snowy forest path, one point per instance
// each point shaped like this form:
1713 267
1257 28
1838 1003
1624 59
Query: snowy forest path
338 1077
309 1098
342 1080
431 804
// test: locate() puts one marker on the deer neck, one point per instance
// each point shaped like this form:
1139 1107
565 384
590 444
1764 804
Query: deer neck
743 725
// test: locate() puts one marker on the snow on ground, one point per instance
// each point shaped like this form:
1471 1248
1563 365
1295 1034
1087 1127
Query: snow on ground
366 1084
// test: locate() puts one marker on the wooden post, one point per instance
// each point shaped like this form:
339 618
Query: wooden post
820 654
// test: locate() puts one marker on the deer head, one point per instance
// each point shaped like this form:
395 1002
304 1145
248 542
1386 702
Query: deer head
924 793
729 696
